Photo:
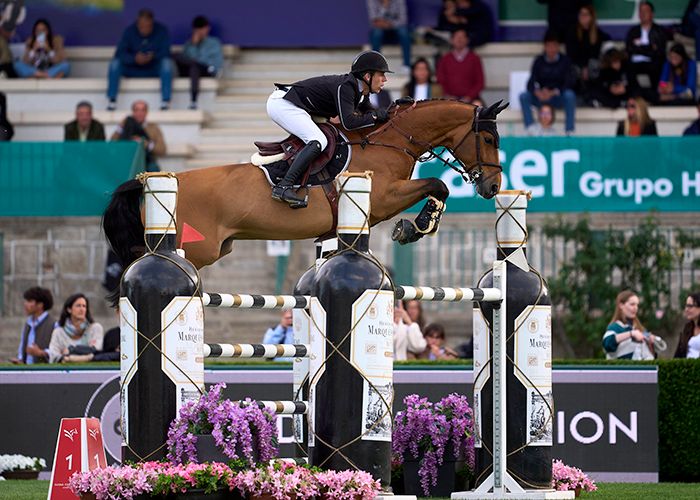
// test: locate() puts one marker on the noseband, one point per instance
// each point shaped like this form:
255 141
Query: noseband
471 174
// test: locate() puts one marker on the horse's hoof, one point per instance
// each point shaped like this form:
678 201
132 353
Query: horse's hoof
404 232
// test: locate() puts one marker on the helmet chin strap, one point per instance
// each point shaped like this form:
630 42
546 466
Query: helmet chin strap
369 84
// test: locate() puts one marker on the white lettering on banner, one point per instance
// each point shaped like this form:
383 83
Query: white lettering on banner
614 424
687 183
559 159
528 163
592 185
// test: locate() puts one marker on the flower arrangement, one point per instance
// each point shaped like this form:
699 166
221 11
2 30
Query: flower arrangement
426 428
12 463
237 428
566 478
279 480
347 485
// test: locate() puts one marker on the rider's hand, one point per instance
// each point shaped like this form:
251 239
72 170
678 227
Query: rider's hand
381 114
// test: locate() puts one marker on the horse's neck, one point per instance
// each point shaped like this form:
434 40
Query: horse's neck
431 123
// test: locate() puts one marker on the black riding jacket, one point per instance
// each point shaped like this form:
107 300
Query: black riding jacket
332 95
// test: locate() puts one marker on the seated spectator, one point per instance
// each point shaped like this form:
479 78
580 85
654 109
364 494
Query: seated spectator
6 128
389 16
202 55
678 78
408 337
36 333
611 89
421 85
84 127
583 45
478 19
135 128
638 121
691 24
460 72
551 81
43 54
111 344
143 52
646 48
545 123
562 15
626 337
689 342
694 128
283 333
7 68
448 22
76 334
435 338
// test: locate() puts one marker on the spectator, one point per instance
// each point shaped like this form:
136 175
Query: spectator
478 19
459 72
625 336
638 121
408 337
678 78
691 24
7 68
583 45
135 128
689 342
646 48
389 16
110 344
43 54
421 85
6 128
448 22
435 338
76 334
562 15
84 127
551 82
611 85
694 128
282 333
202 55
143 52
36 333
545 123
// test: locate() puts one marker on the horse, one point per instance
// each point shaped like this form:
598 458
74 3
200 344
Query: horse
232 202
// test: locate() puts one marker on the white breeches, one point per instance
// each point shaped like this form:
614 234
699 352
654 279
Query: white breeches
293 119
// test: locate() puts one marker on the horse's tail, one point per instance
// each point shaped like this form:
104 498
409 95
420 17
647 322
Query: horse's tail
121 223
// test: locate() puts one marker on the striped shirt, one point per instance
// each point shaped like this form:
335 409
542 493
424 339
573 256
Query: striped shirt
625 349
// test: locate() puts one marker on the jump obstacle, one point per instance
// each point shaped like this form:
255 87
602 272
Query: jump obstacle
164 188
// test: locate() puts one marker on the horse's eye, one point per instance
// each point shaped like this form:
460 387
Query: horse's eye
489 141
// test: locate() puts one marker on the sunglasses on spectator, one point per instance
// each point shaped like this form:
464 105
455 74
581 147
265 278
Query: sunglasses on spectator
690 306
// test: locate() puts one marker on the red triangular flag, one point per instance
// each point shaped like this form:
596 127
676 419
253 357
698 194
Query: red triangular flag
190 234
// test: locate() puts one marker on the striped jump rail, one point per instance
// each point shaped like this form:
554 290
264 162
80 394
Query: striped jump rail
425 293
267 351
285 407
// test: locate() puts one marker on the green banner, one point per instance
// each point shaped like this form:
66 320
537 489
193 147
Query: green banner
514 11
587 174
51 179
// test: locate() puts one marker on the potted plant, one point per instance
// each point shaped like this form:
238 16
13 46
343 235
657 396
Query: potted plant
216 429
277 480
434 443
567 478
21 467
347 485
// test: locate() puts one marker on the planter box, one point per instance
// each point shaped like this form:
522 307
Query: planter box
20 474
207 451
448 479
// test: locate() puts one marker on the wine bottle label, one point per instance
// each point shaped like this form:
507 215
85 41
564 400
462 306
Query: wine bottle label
317 358
353 204
533 367
482 369
372 355
127 358
301 326
160 200
182 342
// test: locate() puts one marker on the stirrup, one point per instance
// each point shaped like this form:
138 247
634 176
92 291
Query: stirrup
282 193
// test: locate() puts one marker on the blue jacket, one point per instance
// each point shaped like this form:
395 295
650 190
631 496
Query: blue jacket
132 42
207 52
555 74
680 86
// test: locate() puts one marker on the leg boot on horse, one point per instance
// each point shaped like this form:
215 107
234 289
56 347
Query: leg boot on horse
284 191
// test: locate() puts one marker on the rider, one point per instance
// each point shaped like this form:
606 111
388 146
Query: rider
344 96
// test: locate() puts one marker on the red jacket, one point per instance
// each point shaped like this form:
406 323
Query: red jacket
463 79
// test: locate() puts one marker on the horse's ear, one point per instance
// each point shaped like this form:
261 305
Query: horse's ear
501 107
490 111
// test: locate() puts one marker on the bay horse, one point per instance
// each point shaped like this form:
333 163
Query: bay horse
231 202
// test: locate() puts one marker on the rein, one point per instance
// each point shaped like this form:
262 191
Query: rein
470 173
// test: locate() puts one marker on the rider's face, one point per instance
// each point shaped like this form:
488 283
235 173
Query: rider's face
378 81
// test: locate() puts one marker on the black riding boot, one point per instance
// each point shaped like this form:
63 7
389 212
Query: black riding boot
284 191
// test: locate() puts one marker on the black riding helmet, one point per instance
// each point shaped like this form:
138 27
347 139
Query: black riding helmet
369 61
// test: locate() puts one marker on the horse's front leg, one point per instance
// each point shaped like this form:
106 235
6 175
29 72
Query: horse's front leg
428 220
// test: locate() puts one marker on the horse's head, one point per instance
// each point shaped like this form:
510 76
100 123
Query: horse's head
477 150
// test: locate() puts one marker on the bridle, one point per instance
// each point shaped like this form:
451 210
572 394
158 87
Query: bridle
471 174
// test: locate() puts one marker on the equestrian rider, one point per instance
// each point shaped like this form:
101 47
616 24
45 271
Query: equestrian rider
344 96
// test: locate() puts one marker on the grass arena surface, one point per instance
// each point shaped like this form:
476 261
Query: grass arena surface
37 490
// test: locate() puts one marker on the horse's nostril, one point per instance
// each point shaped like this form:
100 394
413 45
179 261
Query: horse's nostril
494 188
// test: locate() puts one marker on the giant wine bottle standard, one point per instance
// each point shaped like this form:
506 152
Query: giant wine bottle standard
529 405
161 330
351 389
